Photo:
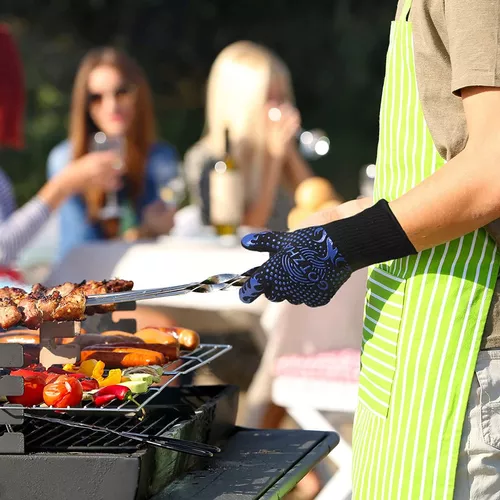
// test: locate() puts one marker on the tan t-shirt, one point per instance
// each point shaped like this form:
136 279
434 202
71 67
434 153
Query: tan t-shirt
456 45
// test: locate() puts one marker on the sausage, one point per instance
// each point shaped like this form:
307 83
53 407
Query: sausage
123 357
19 338
156 336
91 339
170 351
113 333
188 339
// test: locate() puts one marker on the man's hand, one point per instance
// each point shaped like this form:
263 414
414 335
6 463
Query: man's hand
305 267
158 218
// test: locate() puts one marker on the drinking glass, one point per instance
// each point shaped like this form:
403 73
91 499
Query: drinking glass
102 142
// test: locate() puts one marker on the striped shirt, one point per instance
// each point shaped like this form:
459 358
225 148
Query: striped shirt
17 227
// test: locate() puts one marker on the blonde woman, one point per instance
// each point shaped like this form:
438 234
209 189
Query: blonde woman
246 82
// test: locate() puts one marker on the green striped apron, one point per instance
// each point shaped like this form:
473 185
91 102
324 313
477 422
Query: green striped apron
424 318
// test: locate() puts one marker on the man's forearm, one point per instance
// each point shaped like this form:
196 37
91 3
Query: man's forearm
460 197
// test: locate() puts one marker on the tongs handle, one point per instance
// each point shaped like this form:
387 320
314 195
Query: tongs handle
189 447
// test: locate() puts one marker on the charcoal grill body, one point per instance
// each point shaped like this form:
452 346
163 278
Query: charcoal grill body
42 462
253 464
64 463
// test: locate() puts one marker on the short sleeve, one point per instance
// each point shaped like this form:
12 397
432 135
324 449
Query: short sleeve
473 28
58 158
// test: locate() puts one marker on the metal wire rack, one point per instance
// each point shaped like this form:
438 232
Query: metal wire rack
187 363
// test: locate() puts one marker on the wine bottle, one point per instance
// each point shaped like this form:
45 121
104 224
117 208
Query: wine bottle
226 194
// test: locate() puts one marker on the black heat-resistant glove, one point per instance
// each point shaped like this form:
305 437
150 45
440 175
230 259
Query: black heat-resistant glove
309 265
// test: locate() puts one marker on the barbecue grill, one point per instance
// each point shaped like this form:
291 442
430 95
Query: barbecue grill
94 453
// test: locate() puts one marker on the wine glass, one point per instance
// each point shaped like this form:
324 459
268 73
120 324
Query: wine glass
313 143
102 142
367 180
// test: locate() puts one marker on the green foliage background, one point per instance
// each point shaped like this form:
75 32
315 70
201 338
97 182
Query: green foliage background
335 50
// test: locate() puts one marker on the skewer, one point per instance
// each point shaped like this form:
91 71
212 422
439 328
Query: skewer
216 283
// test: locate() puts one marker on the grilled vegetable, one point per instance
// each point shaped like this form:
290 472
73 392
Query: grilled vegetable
114 377
123 356
136 386
141 377
63 392
88 384
155 371
108 394
34 384
26 372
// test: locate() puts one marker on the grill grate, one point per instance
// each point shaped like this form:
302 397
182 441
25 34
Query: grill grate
49 437
187 363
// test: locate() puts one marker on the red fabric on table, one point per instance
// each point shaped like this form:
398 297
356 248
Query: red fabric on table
11 274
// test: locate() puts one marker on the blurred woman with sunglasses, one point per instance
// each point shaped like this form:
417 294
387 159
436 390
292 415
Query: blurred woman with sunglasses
111 95
18 227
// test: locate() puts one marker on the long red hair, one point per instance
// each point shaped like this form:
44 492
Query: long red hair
140 136
12 95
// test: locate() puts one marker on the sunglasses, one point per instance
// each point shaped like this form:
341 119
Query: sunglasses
120 94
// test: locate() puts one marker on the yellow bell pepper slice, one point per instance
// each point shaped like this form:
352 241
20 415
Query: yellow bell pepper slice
114 377
92 368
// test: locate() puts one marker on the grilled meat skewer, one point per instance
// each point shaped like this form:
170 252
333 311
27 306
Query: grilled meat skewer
66 302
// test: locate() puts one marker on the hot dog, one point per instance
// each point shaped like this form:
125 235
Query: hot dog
170 351
118 333
123 357
19 338
188 339
156 336
91 339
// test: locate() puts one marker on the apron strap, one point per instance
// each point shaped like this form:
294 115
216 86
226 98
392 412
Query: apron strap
405 11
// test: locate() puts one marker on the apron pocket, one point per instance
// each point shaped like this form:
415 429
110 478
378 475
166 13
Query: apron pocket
488 375
383 313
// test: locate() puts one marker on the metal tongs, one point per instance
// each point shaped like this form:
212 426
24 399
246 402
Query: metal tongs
179 445
216 283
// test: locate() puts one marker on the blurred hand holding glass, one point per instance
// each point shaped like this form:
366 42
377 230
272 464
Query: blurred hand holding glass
313 143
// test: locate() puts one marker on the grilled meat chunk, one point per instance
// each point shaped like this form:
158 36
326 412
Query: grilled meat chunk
64 289
47 305
116 286
10 315
71 307
14 294
31 316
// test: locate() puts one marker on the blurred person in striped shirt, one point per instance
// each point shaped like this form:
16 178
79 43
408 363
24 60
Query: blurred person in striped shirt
19 225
